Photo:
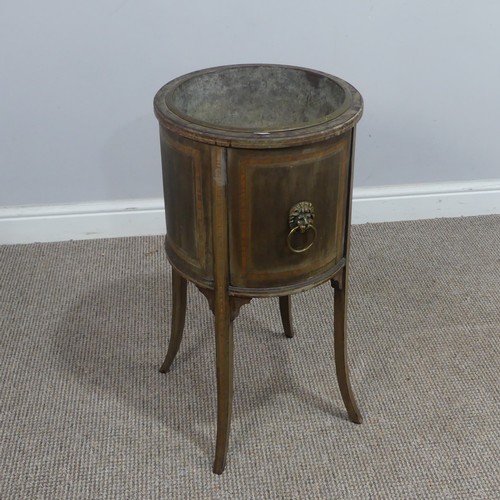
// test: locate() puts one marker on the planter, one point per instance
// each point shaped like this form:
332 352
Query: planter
257 174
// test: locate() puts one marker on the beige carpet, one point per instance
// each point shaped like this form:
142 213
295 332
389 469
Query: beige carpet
85 413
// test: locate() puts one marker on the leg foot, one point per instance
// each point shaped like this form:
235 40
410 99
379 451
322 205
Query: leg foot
340 321
286 315
179 292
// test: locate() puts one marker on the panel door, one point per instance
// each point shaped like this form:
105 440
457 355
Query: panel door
263 186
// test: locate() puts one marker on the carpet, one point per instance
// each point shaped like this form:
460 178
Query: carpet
85 413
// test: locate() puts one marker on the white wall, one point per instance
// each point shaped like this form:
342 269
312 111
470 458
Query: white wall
77 79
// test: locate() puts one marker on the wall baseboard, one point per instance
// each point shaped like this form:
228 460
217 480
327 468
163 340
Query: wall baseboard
426 201
81 221
30 224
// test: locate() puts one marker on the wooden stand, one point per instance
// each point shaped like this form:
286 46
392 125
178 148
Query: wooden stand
257 214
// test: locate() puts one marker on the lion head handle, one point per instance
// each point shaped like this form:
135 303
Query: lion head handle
301 215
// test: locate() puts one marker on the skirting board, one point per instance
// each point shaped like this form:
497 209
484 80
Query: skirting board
30 224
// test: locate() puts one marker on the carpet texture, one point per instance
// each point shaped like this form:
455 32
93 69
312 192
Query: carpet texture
85 413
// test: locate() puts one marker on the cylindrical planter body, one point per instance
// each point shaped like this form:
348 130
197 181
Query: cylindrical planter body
284 137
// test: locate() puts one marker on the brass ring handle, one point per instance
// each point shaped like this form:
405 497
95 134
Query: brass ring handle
300 250
301 218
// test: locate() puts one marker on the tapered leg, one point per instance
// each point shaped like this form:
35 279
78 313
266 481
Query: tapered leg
340 323
224 360
222 307
286 314
179 289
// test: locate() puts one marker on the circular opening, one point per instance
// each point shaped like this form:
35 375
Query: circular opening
258 98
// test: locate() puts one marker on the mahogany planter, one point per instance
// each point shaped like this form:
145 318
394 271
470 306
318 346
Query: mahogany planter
257 176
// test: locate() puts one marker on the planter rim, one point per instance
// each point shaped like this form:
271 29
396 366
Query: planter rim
333 123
